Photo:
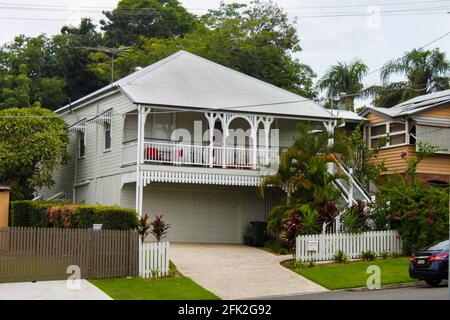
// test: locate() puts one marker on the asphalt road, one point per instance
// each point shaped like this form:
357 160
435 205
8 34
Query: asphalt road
421 292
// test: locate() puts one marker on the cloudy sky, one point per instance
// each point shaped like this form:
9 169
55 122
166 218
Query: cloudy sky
330 31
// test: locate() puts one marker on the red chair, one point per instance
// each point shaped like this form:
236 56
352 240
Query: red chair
151 153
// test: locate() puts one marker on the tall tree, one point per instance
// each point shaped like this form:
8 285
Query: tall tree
257 40
343 81
28 74
72 50
33 142
425 71
149 18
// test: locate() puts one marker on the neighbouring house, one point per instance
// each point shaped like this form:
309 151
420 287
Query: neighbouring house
187 138
424 119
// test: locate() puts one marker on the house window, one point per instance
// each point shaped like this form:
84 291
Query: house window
107 131
81 144
396 131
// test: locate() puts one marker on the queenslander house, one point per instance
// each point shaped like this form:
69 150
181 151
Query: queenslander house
423 120
187 138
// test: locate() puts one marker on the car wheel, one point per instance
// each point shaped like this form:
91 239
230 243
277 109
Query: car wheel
433 283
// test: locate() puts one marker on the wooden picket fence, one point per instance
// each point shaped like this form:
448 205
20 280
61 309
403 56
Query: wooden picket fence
322 247
32 254
154 259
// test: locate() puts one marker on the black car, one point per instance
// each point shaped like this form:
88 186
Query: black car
430 264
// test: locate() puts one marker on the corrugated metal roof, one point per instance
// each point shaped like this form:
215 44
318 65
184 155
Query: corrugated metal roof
415 105
189 81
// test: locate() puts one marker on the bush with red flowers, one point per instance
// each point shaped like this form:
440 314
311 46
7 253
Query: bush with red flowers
418 211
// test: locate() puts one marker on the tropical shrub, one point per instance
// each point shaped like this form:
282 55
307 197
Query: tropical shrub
385 254
418 211
328 213
368 255
340 257
62 216
276 219
290 231
160 228
379 216
275 246
144 227
354 219
311 223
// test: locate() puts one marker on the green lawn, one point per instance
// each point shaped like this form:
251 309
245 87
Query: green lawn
178 288
354 274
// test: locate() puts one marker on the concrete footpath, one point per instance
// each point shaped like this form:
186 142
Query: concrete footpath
50 290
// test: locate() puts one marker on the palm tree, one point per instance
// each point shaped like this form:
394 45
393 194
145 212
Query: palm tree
343 78
303 171
426 71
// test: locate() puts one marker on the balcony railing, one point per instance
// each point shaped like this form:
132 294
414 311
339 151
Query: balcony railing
174 153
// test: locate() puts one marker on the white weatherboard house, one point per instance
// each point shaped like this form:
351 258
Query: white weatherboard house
124 150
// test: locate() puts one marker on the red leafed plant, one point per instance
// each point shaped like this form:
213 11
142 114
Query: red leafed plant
144 226
160 228
290 230
62 217
328 213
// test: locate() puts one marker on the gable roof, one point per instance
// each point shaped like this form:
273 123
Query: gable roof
414 105
185 80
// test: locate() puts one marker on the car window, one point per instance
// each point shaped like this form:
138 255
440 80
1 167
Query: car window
439 246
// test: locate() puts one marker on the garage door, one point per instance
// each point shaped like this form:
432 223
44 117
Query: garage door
204 213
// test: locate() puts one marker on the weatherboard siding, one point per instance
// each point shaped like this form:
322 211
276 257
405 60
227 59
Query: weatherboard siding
435 164
441 113
393 159
375 118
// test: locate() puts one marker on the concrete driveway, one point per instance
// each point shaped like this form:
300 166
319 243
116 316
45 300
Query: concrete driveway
50 290
238 272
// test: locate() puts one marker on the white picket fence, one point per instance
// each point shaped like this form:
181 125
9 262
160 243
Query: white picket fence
322 247
154 259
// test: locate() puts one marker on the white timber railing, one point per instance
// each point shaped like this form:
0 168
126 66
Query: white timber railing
154 259
199 155
323 247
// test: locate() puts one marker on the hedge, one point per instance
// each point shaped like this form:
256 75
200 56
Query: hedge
27 213
58 214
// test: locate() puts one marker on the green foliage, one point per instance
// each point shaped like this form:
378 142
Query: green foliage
113 217
257 40
276 219
33 142
368 255
355 218
275 246
56 214
380 216
303 170
426 71
418 211
385 254
340 257
343 78
359 155
27 213
132 19
310 219
424 151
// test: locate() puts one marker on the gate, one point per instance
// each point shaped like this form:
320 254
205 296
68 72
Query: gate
38 254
